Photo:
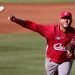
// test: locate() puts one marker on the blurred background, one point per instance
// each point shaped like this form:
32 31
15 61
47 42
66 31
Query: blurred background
21 50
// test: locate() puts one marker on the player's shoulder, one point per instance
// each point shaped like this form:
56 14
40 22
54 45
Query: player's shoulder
53 27
50 25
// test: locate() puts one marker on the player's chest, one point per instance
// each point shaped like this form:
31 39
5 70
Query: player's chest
61 38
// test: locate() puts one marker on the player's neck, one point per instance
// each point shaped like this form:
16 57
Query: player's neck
63 29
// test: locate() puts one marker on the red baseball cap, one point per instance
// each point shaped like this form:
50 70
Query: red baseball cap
66 14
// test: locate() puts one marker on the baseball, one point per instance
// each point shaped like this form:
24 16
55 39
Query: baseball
2 8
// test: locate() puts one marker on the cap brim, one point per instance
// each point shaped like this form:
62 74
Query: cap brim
68 17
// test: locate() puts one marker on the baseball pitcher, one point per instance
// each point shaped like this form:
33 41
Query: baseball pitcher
60 42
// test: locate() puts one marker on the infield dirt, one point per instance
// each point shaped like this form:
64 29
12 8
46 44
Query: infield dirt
39 13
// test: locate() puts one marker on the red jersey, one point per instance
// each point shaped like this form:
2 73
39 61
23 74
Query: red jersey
56 39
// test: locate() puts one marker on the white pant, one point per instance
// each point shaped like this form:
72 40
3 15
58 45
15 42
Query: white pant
63 69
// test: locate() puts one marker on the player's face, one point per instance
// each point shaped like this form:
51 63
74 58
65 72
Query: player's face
65 22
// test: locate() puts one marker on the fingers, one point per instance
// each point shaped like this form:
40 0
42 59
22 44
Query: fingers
12 18
9 18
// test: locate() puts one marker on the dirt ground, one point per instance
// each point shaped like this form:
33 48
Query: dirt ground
39 13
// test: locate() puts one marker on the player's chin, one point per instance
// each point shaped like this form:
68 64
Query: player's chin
66 26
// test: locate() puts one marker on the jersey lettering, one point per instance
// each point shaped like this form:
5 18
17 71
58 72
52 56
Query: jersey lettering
59 47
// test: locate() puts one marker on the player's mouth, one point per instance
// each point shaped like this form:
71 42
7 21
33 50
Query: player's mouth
65 25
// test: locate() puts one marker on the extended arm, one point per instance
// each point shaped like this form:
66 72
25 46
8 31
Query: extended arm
42 29
25 23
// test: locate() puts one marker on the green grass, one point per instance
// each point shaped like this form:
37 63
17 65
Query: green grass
37 1
22 54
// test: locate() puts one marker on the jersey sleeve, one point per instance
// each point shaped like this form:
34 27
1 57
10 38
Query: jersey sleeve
42 29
